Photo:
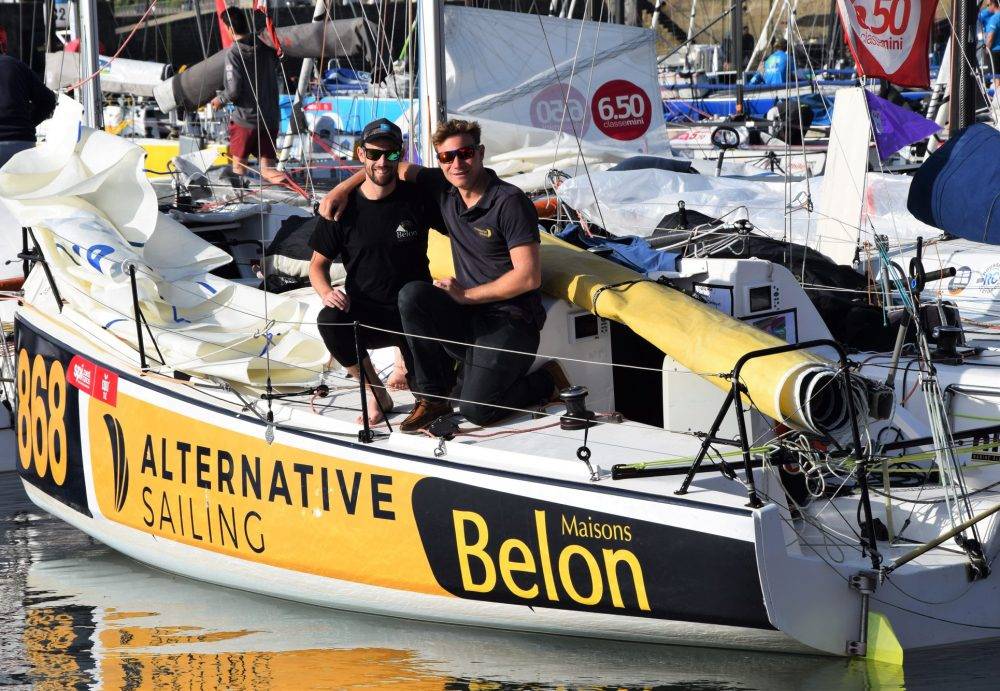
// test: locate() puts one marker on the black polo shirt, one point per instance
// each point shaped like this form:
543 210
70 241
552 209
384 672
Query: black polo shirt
482 237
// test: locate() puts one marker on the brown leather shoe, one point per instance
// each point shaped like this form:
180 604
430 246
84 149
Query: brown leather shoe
559 378
425 411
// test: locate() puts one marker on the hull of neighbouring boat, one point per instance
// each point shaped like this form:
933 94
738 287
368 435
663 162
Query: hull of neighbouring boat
179 483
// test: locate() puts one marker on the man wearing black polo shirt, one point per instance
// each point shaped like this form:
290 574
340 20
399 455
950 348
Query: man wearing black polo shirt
381 238
492 302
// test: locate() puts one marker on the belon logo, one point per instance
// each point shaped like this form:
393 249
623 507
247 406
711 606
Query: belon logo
119 462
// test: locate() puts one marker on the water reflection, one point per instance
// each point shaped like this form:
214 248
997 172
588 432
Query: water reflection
76 614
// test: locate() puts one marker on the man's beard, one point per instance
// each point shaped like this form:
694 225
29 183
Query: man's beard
390 177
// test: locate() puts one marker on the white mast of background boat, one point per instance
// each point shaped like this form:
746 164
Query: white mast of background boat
433 106
90 90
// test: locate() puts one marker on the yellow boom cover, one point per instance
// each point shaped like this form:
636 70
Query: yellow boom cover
697 336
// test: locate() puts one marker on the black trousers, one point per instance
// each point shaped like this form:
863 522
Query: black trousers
490 378
338 335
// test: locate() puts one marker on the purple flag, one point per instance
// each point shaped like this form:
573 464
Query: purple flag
894 126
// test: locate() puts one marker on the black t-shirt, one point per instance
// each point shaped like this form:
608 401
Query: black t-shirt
382 243
482 237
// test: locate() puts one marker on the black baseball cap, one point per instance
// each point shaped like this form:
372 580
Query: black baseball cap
382 129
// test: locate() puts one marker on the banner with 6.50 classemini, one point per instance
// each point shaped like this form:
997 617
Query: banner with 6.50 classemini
888 38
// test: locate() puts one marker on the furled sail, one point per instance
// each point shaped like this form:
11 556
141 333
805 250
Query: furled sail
118 76
347 39
796 388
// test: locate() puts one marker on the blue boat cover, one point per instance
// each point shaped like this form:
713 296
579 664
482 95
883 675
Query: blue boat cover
956 188
632 252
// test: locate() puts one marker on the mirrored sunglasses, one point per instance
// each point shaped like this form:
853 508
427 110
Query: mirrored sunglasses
376 154
464 153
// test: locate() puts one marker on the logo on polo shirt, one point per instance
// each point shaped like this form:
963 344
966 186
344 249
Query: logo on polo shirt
404 233
485 232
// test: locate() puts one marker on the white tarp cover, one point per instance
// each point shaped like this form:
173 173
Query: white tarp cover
95 214
633 203
555 74
118 76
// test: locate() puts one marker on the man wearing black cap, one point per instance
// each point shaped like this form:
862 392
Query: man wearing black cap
381 238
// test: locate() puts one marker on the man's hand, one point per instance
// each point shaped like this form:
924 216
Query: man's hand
333 204
454 289
337 298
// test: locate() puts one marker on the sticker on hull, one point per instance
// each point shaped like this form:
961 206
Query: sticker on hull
503 547
47 420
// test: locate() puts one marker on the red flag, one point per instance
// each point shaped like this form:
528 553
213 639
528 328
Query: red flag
888 38
227 39
261 6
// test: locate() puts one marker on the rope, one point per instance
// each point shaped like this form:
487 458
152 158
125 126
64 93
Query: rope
114 57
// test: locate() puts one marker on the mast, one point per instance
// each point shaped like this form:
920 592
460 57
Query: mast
91 90
737 56
832 30
433 108
963 66
319 14
690 35
297 118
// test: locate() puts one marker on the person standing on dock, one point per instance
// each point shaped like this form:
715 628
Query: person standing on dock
251 86
493 302
381 238
24 103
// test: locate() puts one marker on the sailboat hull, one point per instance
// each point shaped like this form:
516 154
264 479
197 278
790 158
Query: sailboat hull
191 488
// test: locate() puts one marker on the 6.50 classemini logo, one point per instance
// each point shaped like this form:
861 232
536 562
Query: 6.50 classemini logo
41 416
116 440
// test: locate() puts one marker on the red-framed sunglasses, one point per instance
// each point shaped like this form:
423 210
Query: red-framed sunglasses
465 153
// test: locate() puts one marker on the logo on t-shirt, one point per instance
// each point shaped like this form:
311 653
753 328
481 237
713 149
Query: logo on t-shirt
485 232
405 233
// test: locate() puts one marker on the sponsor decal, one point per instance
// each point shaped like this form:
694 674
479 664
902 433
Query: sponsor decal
47 420
405 231
119 461
989 279
960 281
93 380
212 487
489 545
560 108
621 110
990 454
888 38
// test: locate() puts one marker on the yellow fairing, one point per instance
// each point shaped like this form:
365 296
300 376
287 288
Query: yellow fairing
699 337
